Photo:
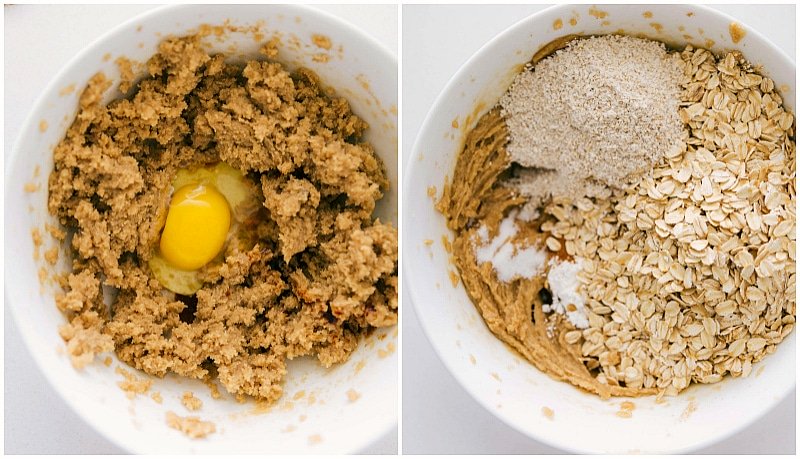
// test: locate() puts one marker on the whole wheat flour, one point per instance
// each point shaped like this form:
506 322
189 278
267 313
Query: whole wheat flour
600 112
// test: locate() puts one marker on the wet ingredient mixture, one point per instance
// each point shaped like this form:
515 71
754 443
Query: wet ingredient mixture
229 210
665 260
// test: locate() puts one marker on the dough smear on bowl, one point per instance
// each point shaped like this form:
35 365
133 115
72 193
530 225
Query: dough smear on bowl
306 271
624 218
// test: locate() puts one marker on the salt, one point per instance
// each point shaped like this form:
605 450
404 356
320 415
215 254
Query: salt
563 280
509 261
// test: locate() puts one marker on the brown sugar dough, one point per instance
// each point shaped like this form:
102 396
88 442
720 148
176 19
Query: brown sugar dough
512 311
320 271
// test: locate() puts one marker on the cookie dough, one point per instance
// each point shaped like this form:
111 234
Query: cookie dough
321 272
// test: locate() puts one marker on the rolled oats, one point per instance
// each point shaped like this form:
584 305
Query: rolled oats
693 276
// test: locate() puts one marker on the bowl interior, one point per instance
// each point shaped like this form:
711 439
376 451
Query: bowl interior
315 413
498 378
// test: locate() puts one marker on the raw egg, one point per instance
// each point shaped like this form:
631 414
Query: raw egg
208 208
196 228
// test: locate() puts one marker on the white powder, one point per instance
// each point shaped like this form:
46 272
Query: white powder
563 280
509 261
528 213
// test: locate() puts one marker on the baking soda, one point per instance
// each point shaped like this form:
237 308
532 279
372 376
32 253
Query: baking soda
564 287
509 260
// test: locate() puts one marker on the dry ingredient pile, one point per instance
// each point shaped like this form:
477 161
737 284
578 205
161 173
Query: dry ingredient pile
599 113
306 271
641 269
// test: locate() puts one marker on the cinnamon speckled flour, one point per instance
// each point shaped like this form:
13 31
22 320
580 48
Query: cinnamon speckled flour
598 113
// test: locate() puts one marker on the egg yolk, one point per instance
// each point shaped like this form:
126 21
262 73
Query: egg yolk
196 227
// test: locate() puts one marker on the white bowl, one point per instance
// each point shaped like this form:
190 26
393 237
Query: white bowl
506 385
321 418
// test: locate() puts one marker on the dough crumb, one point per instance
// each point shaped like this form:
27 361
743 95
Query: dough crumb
215 393
625 410
83 344
132 385
51 255
737 32
453 278
156 396
314 439
383 353
36 236
360 366
55 231
352 395
271 48
448 246
321 41
67 90
42 276
126 74
548 413
191 402
191 426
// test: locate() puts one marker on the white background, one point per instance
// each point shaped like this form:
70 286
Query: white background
39 41
438 415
